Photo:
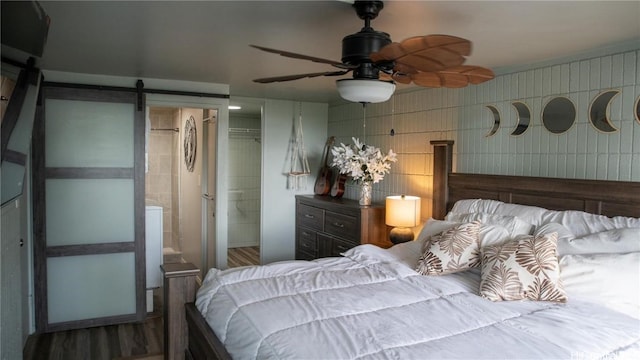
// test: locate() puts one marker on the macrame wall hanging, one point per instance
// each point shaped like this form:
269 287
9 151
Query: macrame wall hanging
299 165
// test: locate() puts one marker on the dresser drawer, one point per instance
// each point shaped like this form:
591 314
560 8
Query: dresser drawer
303 255
339 246
309 216
342 225
327 226
307 241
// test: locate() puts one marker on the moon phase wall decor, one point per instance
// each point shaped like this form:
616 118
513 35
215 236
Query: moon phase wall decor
637 109
558 115
599 111
524 118
190 143
496 120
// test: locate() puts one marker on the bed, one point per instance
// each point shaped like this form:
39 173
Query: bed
373 303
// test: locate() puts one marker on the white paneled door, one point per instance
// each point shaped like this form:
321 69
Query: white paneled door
89 208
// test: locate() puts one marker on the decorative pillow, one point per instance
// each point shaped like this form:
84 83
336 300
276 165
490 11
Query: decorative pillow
616 241
453 250
611 280
524 268
410 251
514 225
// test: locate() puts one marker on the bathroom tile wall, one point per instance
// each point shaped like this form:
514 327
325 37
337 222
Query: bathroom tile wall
159 181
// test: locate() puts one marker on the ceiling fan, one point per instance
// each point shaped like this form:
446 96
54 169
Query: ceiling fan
377 62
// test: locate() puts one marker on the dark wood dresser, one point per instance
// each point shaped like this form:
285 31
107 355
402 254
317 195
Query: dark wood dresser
326 226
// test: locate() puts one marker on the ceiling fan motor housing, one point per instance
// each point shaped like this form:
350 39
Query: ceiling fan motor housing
357 47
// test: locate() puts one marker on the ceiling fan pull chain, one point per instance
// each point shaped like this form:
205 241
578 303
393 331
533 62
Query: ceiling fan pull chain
393 116
364 125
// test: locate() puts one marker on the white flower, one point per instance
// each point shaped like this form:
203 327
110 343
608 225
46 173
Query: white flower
362 162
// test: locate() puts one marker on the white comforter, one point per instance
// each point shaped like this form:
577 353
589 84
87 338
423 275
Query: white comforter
371 304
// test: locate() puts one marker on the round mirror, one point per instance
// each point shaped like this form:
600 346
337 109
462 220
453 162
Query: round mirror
524 117
599 111
558 115
496 120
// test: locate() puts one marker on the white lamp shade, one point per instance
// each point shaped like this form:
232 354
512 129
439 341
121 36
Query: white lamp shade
402 211
365 91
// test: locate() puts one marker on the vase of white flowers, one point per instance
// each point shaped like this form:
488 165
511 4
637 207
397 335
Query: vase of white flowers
364 163
366 193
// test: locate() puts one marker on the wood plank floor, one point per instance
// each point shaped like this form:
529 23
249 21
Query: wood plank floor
124 341
243 256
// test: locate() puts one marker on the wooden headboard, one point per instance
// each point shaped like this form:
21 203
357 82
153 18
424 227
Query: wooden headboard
610 198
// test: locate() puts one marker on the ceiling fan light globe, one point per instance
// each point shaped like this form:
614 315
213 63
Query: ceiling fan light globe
365 90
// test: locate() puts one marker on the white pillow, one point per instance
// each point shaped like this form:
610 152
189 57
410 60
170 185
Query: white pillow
514 225
493 235
564 234
618 241
433 226
611 280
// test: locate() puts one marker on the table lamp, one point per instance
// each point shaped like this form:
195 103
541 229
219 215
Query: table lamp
402 212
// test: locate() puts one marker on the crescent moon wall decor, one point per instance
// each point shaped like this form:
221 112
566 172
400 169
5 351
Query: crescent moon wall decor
496 120
637 109
599 111
558 115
190 143
524 118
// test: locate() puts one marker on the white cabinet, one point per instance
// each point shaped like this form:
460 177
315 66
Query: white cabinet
153 248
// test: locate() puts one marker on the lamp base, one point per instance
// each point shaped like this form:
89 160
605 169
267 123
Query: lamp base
400 234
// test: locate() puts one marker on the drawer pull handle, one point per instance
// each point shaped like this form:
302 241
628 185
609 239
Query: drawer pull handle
337 224
309 216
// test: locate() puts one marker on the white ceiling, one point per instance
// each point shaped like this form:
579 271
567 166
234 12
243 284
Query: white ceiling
207 41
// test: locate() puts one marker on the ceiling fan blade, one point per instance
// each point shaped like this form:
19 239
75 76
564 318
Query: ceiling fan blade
455 77
299 76
337 64
426 53
427 79
476 74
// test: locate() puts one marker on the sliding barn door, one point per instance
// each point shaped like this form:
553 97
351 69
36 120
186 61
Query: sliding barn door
88 208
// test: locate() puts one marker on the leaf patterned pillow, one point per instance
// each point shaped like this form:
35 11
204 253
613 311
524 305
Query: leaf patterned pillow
525 268
453 250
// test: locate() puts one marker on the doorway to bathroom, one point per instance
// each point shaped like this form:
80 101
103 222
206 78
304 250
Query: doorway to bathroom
244 179
180 180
